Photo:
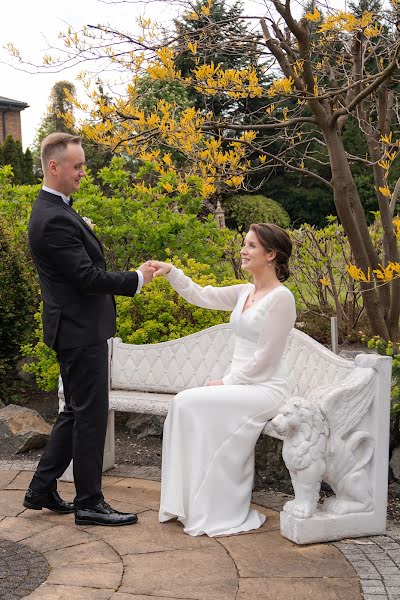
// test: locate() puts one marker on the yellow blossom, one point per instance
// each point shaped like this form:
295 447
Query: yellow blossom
234 181
373 31
396 223
385 191
283 86
324 281
387 273
387 139
357 274
385 164
314 16
192 46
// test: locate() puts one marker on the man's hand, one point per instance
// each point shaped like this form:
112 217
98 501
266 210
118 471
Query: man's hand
148 271
216 382
161 268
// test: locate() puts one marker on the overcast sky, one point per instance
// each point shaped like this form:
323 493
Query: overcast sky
32 26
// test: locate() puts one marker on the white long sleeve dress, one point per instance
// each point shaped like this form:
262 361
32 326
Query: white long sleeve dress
210 432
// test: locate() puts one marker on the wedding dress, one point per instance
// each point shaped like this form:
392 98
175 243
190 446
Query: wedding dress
210 432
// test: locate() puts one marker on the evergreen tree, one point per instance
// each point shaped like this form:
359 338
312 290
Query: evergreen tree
13 155
54 120
228 43
28 176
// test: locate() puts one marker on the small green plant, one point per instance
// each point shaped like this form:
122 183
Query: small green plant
243 210
388 349
17 302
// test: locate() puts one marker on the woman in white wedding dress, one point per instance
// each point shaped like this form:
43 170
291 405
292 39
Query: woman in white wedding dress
210 432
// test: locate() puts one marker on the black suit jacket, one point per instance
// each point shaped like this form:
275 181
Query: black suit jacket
77 291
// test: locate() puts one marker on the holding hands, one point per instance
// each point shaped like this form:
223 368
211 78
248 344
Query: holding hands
147 271
160 268
154 268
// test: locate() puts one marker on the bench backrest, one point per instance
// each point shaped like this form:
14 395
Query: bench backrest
312 365
172 366
190 361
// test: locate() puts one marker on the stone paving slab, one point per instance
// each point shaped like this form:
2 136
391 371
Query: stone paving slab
124 596
91 553
158 561
17 529
301 589
69 592
270 555
201 574
151 536
10 503
88 576
6 477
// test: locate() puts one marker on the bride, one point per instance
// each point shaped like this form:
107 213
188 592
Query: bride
210 432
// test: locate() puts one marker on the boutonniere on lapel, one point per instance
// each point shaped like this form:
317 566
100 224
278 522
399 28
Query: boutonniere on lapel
89 222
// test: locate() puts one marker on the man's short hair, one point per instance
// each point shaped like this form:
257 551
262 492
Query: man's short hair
54 144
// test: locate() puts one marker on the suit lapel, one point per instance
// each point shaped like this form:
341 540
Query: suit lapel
78 216
55 198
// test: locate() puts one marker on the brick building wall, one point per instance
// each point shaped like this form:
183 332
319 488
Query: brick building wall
10 124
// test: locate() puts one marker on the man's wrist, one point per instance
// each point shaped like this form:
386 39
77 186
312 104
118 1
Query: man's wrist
140 281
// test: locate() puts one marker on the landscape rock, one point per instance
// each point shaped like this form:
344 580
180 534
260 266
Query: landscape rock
270 467
145 425
22 429
395 462
21 374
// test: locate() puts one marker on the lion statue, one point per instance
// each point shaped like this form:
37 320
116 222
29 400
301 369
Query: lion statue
314 451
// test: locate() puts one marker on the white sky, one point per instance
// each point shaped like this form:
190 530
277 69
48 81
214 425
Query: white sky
32 26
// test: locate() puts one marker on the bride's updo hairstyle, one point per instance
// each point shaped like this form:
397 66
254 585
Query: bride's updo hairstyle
273 237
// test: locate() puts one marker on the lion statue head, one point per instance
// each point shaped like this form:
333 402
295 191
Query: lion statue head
305 433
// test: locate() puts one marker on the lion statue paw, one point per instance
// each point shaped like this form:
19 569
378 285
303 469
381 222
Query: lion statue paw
299 509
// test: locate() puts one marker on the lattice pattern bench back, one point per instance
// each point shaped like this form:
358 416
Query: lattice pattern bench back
312 365
188 362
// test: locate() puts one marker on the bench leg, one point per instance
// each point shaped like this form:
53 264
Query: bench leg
109 447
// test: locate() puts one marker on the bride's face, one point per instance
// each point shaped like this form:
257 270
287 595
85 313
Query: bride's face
254 256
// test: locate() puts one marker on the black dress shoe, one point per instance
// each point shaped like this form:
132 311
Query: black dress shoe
103 514
50 500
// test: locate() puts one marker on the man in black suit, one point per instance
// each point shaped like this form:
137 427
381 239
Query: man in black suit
78 318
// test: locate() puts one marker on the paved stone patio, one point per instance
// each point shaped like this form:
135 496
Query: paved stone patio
155 562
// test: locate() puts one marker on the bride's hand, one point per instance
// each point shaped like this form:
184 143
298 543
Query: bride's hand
216 382
161 268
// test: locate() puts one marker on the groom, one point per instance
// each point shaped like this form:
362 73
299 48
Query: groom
78 318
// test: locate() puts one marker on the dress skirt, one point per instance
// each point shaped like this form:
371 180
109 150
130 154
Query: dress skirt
208 457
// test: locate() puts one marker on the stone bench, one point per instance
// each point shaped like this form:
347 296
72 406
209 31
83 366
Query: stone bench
335 427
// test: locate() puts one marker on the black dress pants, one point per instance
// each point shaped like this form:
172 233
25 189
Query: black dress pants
80 429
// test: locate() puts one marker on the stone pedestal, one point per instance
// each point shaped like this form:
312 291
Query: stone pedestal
323 527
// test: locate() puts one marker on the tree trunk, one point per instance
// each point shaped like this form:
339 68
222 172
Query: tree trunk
352 217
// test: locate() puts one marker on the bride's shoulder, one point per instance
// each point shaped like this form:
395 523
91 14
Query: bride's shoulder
282 291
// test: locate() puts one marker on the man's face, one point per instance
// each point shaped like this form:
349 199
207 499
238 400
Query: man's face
69 169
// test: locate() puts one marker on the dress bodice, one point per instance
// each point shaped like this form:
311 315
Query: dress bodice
261 331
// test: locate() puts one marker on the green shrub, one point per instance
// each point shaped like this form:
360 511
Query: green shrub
18 300
243 210
323 285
